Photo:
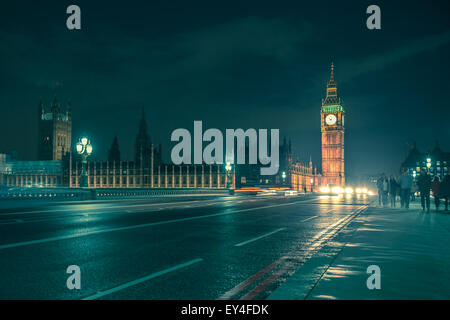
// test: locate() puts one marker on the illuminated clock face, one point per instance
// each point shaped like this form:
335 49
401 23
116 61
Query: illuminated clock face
330 119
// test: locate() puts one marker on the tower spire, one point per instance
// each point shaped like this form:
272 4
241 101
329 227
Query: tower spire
331 82
143 142
332 95
332 73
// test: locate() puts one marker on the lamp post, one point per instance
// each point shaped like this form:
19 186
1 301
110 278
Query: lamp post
228 170
283 176
84 148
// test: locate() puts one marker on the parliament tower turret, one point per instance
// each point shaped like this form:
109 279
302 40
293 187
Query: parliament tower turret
55 131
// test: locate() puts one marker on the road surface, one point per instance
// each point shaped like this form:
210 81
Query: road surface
202 247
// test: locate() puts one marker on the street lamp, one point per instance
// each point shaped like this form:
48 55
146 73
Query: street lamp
228 170
283 175
84 148
428 163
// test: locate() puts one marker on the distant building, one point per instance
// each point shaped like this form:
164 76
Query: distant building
55 131
436 162
17 173
304 177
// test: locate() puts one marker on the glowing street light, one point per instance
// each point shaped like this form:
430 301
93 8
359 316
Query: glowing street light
283 176
89 149
84 148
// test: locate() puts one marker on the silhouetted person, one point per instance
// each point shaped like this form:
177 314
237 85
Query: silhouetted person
393 187
435 188
380 189
385 191
405 182
445 190
413 192
424 184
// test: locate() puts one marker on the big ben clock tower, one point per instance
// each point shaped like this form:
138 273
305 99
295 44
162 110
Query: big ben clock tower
332 128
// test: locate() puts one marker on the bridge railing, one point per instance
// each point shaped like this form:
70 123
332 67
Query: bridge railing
92 194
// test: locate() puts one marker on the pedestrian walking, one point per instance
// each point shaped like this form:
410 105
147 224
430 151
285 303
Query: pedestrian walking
385 191
413 192
435 186
380 189
424 184
445 190
405 182
393 187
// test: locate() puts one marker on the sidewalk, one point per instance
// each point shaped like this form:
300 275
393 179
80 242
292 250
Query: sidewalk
411 248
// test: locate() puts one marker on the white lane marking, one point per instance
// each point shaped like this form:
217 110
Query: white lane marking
143 279
313 243
258 238
79 235
310 218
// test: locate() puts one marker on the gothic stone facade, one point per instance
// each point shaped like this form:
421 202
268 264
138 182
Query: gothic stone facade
305 178
129 174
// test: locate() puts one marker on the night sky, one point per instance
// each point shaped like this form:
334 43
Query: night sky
244 64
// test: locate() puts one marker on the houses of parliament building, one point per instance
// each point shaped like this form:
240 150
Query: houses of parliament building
60 166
